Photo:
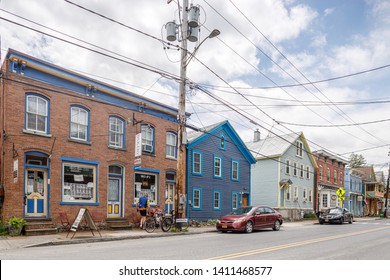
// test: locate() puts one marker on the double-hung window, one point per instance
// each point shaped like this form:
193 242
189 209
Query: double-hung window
197 163
116 132
287 166
299 148
171 145
217 200
79 121
217 167
37 109
147 132
235 170
196 199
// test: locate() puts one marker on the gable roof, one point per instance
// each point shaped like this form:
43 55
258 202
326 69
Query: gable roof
196 137
277 145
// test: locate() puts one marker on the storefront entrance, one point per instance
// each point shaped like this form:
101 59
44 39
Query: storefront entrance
36 192
115 190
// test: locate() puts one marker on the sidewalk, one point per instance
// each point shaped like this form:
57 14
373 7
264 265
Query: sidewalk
15 242
86 236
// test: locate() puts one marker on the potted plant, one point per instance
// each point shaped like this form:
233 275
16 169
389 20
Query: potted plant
15 225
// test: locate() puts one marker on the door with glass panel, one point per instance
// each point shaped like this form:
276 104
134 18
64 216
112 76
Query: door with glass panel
114 194
36 193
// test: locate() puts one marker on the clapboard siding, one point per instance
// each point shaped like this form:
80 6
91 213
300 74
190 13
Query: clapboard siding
207 183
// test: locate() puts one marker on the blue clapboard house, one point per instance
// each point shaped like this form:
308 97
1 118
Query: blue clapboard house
218 172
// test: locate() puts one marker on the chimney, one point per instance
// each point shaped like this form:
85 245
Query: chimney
256 137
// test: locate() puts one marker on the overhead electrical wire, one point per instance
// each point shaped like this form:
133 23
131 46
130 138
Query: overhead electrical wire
203 65
175 78
216 11
303 75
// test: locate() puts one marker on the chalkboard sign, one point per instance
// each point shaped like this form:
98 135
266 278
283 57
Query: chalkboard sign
83 214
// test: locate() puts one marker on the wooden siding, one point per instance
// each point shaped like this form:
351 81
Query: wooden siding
208 184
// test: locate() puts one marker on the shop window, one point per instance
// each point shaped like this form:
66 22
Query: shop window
79 182
146 183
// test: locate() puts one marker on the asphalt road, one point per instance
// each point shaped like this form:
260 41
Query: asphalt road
363 240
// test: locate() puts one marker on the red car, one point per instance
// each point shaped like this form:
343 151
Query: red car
250 218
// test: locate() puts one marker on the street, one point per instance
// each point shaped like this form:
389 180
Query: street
362 240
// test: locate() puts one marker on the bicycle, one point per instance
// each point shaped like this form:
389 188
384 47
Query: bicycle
170 220
153 221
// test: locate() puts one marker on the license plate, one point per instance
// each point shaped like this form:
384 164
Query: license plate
326 220
224 226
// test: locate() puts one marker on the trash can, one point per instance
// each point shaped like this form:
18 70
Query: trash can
381 214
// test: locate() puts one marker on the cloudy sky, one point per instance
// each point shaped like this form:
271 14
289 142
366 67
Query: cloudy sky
320 67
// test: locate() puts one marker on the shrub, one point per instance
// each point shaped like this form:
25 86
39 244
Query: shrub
310 215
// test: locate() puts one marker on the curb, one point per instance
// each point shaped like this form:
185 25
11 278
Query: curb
107 239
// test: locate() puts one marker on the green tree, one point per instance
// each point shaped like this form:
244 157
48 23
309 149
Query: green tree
357 161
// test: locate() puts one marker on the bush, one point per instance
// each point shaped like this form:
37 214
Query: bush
310 215
3 228
16 222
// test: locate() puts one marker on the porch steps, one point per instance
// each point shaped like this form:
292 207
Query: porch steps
118 224
39 227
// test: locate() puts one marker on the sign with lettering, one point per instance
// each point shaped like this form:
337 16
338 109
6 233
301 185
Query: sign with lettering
83 214
138 145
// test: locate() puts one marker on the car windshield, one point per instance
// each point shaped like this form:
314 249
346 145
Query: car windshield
335 211
241 211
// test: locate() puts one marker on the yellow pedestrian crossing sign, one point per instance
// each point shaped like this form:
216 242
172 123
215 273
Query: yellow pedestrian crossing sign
340 192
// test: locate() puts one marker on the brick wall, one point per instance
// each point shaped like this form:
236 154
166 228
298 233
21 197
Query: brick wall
17 142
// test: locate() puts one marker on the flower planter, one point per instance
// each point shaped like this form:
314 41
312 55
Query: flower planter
14 231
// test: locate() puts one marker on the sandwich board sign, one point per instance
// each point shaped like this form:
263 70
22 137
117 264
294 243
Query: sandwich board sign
83 214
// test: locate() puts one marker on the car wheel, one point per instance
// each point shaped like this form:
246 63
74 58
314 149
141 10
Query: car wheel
341 220
249 227
276 225
351 220
321 222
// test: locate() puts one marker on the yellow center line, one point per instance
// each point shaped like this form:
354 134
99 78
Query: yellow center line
296 244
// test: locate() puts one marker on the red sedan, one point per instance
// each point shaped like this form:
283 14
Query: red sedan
250 218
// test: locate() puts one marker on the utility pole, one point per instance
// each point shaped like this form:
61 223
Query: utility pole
387 192
188 30
180 178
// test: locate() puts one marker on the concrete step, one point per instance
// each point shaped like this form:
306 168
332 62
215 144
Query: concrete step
40 231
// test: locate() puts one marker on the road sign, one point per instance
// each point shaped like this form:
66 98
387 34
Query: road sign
340 192
341 198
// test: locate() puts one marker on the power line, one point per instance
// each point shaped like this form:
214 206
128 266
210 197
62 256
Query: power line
303 75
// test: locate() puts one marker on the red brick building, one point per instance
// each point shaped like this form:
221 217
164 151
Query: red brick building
69 141
329 178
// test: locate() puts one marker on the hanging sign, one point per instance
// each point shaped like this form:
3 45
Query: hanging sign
138 145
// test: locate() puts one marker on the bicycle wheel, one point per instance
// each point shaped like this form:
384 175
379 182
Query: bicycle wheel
150 224
166 224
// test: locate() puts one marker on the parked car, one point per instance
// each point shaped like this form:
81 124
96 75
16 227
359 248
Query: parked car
336 215
250 218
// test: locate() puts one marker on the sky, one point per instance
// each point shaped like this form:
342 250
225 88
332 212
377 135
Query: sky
280 66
